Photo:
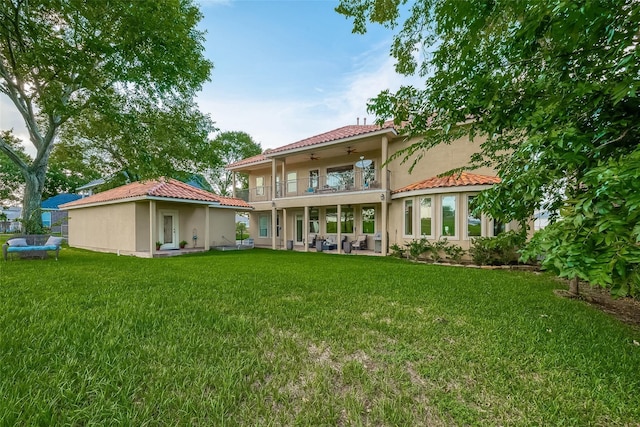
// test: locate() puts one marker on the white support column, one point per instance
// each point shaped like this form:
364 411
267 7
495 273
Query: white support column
153 238
339 237
305 229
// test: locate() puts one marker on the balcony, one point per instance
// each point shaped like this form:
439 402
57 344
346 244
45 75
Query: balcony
315 185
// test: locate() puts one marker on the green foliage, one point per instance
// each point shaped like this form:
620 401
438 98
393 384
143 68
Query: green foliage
117 77
550 87
241 231
397 251
504 249
230 147
11 178
597 240
435 251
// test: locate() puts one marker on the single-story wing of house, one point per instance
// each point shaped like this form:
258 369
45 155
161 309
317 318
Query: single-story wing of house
147 218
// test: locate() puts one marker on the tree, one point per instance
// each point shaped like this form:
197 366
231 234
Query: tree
71 63
230 147
552 87
11 179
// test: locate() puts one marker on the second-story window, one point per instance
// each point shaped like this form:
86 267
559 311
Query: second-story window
340 177
292 182
260 186
314 178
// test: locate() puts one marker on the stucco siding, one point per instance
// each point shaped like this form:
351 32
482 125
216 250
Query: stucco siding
222 227
106 228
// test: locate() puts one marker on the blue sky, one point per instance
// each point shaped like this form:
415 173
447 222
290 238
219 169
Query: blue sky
284 70
287 70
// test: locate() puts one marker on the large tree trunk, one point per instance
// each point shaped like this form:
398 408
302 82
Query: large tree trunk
34 186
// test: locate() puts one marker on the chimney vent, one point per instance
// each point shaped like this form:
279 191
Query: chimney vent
364 121
357 120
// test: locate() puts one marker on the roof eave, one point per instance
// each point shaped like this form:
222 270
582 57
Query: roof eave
312 147
442 190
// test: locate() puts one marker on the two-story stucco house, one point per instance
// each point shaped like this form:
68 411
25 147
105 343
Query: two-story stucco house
338 185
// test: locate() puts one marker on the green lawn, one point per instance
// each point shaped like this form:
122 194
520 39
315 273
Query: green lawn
281 338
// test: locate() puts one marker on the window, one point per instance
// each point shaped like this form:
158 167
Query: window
314 221
331 217
278 186
314 178
449 215
368 220
340 177
425 216
346 220
292 182
369 175
46 219
263 225
260 186
408 217
473 223
498 227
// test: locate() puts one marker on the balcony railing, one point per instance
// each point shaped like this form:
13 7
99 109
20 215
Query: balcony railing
348 181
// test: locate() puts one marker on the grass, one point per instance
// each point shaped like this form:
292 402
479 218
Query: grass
281 338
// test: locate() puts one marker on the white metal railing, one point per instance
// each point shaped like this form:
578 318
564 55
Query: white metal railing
347 181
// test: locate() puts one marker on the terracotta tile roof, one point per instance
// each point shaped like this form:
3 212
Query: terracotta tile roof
249 160
333 135
168 188
456 180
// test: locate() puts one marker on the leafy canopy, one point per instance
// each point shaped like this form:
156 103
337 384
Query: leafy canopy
117 76
550 87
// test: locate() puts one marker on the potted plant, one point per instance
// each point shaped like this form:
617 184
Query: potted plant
158 244
183 243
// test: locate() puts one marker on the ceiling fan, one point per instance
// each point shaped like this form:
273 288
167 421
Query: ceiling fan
350 150
313 157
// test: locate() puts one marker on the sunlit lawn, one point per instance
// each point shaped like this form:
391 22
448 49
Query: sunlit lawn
280 338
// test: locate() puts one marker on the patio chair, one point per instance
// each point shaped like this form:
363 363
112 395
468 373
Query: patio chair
359 243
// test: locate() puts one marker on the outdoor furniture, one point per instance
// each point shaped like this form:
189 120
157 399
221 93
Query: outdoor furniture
329 244
312 241
32 246
359 243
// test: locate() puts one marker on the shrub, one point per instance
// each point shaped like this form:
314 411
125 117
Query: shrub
500 250
397 251
418 247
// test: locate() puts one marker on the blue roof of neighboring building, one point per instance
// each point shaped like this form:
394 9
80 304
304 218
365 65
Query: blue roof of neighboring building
60 199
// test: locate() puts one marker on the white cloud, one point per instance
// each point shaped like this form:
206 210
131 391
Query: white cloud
276 122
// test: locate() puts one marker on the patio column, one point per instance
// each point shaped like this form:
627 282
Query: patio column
305 229
283 182
152 228
233 182
207 228
339 237
385 229
274 225
384 170
274 171
284 228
